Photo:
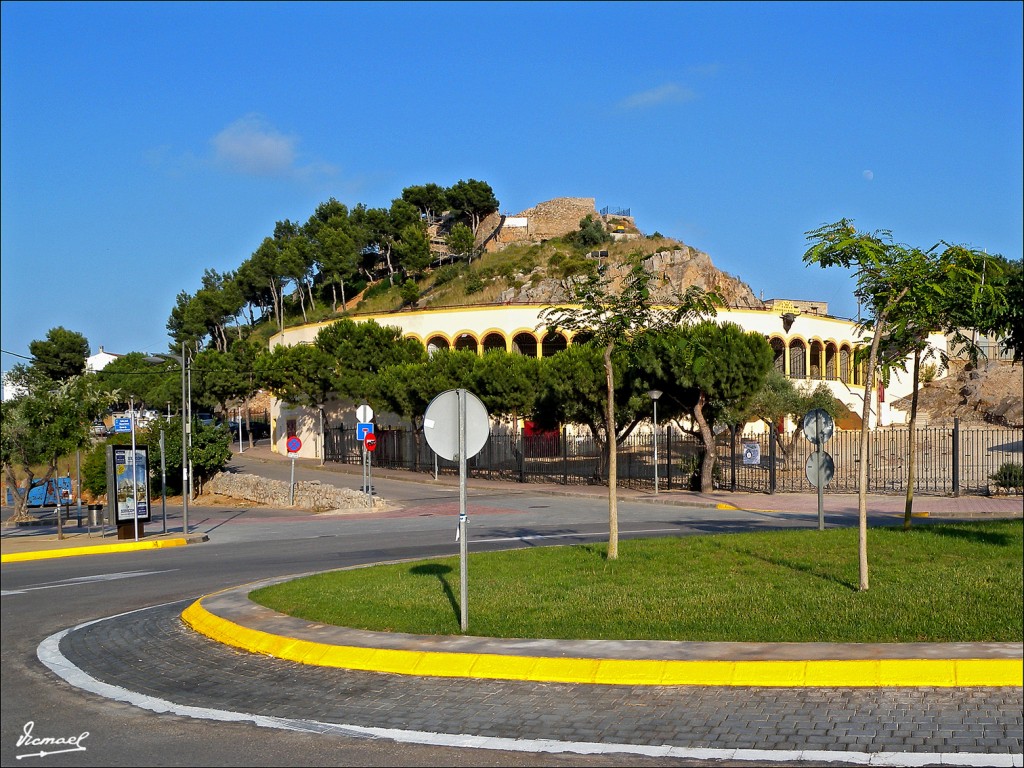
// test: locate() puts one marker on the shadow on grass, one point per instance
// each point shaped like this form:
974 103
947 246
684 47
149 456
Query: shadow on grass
810 570
441 571
973 534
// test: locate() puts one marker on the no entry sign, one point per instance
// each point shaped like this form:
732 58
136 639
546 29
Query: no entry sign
370 442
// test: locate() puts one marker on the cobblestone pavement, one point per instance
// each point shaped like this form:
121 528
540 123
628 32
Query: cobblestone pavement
153 653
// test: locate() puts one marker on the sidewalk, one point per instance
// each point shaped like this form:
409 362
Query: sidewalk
993 507
20 543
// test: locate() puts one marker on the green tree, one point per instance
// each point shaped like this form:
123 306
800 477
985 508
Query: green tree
779 398
133 376
406 388
461 242
471 201
333 239
507 384
890 278
61 356
430 199
413 250
359 351
612 315
591 233
50 420
712 371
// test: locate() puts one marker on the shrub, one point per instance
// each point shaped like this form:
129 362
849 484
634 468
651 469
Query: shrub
410 292
446 274
1009 475
474 283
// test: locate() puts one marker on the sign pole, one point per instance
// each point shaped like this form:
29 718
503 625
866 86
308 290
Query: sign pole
163 481
291 485
463 549
135 490
818 447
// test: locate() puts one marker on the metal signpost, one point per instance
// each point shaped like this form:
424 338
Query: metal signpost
818 428
294 446
364 432
457 426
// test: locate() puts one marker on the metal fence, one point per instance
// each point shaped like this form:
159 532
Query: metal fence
949 461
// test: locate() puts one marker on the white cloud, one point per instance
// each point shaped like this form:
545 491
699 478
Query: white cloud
869 175
250 146
670 93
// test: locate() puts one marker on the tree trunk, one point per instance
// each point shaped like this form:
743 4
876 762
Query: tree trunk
912 442
862 471
20 501
707 466
613 507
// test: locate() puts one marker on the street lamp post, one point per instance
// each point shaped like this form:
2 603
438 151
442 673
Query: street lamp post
186 413
654 394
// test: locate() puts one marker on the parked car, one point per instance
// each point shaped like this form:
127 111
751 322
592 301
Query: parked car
206 419
99 429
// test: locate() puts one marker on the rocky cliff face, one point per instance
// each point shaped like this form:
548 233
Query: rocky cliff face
674 271
675 266
989 393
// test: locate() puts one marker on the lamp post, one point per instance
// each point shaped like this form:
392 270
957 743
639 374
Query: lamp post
186 418
654 394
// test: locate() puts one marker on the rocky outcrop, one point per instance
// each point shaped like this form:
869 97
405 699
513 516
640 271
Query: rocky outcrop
989 393
312 495
674 271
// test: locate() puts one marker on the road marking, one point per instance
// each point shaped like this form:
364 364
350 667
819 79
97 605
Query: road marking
82 580
599 534
49 654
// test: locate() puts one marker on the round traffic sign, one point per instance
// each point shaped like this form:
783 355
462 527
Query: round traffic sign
294 444
370 442
441 424
818 426
819 461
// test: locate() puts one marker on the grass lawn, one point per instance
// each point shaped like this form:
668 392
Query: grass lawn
937 583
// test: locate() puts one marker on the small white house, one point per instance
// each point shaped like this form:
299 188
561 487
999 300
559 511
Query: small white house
99 361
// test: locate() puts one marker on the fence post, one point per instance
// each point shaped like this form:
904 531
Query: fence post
732 458
565 455
771 458
522 456
956 456
668 456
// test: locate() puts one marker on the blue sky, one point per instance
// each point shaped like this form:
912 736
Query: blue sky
144 142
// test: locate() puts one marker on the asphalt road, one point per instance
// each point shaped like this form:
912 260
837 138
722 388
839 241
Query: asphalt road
144 649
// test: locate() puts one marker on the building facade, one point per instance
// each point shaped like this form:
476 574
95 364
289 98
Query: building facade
809 347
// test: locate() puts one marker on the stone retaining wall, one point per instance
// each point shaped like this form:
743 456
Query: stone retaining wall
312 494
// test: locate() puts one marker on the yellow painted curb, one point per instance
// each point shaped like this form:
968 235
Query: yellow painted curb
99 549
876 673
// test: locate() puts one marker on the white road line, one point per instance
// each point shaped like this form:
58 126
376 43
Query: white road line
49 654
599 534
82 580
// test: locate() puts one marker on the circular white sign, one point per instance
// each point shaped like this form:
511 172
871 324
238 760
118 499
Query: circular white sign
827 466
364 413
818 426
441 424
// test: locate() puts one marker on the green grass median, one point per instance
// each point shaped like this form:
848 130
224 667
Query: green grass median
960 582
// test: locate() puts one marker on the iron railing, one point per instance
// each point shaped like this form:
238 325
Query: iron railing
948 461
